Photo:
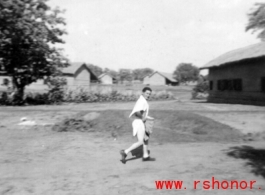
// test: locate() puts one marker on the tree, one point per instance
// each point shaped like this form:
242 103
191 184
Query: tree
186 72
139 74
29 30
106 70
125 75
95 69
112 73
256 21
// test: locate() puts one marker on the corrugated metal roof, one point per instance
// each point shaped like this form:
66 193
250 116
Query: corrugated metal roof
252 51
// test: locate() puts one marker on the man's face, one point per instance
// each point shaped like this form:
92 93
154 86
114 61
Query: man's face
147 94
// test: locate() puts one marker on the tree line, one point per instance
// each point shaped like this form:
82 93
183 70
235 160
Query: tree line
122 74
183 73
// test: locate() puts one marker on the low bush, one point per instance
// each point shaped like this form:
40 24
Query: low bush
5 99
113 96
200 91
56 90
37 98
57 95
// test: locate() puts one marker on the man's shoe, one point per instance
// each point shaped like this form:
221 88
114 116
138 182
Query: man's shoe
149 159
123 156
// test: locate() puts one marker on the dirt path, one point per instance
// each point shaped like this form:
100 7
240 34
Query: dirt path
78 163
40 161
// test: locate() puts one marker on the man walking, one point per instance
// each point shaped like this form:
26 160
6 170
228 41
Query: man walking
140 116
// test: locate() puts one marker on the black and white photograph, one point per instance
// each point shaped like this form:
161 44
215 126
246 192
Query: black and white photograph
132 97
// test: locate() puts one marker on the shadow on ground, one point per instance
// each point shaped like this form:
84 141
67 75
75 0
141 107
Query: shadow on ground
255 157
136 154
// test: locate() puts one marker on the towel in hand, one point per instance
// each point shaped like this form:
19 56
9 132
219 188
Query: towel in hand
140 105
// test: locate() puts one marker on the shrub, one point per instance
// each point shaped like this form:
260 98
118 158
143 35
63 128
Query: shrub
4 99
58 94
200 88
37 98
56 89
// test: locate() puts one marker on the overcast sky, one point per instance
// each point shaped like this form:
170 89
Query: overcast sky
158 34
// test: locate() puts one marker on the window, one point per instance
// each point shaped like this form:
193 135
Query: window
230 84
263 84
211 85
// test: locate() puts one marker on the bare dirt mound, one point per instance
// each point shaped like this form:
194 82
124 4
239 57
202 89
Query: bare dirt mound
170 126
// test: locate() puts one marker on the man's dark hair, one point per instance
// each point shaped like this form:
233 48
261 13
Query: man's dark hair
146 89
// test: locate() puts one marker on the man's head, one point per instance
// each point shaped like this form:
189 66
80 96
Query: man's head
146 92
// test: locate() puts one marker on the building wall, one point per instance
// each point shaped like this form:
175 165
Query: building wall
70 80
250 72
156 79
82 79
146 80
106 79
37 86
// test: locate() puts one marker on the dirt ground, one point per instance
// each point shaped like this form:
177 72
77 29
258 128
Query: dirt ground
192 141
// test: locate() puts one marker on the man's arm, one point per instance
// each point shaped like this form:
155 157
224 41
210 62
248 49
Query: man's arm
145 117
150 118
141 115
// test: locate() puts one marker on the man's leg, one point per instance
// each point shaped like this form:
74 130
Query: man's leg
140 137
138 127
146 156
145 149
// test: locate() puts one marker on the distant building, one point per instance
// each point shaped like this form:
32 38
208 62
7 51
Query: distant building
238 76
105 78
77 75
146 80
159 78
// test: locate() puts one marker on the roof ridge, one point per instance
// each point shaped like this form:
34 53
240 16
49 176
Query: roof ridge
247 52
